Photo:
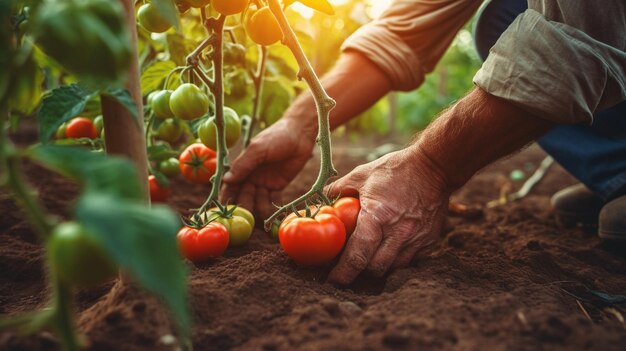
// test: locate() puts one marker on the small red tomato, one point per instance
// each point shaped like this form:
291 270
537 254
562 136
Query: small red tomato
81 127
347 209
158 193
198 163
312 241
199 245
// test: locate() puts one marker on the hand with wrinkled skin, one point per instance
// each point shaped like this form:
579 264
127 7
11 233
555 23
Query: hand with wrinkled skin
267 166
403 206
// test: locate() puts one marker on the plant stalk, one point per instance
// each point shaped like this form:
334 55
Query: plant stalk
257 78
324 105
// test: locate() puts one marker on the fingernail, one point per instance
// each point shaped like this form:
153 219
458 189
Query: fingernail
228 176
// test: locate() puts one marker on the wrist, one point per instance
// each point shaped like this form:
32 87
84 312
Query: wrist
427 167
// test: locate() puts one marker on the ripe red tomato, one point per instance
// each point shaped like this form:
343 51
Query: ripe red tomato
312 241
81 127
347 209
158 193
199 245
198 163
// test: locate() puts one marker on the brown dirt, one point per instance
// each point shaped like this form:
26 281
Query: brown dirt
499 282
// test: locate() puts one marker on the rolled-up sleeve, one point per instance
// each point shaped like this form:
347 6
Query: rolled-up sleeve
408 40
553 70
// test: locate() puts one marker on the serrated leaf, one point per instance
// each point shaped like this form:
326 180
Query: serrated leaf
152 77
167 9
161 152
319 5
278 93
94 170
59 106
123 97
142 241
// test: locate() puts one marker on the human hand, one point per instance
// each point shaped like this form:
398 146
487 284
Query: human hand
404 201
268 165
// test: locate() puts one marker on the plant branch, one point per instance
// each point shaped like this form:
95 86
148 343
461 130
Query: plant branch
257 79
216 28
324 105
22 193
62 306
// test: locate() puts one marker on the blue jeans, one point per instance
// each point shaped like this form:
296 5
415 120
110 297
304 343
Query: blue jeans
595 154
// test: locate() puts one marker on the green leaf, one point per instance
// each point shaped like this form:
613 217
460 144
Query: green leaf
160 152
59 106
142 241
123 97
179 47
94 170
167 8
152 78
278 93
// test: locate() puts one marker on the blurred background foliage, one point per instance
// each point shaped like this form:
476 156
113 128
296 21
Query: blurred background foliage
321 37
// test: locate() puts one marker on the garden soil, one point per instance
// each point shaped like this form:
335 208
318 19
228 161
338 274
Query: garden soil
508 280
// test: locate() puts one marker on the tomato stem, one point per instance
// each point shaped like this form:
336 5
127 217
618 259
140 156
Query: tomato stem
216 28
324 104
257 78
62 304
22 193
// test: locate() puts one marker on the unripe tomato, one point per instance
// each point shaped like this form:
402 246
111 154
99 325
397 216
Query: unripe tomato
89 38
81 127
170 130
60 133
229 7
151 19
198 163
77 257
160 104
312 241
198 245
158 193
274 231
169 167
262 27
347 209
197 3
189 102
234 54
238 221
98 122
207 132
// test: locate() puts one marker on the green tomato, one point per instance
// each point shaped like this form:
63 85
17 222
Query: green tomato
151 96
240 224
274 231
98 122
77 257
207 132
60 133
189 102
170 130
89 38
149 17
234 54
170 167
160 104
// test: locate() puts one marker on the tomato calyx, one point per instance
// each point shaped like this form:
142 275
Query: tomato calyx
196 162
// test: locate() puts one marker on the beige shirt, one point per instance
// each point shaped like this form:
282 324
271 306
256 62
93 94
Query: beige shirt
561 60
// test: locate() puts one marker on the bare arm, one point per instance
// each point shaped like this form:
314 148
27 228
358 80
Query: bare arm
404 195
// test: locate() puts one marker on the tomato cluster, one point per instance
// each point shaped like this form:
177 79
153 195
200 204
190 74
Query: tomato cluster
80 127
318 239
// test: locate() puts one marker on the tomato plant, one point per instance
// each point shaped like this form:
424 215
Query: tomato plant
207 132
170 167
198 245
81 127
197 163
160 104
77 258
312 241
170 130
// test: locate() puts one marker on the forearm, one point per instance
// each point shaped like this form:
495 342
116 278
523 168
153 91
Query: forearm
476 131
355 83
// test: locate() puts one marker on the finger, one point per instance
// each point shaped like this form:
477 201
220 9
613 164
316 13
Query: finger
409 253
359 250
245 164
388 252
246 196
263 204
229 193
345 186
